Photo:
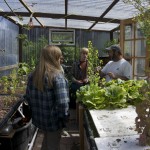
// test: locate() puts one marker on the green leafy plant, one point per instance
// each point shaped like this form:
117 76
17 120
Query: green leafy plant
4 83
15 82
31 50
92 96
23 69
109 43
9 83
93 62
110 95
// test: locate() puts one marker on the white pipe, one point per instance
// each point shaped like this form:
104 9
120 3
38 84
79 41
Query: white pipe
33 139
20 109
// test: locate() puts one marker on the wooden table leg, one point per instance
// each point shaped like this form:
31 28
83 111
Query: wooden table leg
81 128
77 113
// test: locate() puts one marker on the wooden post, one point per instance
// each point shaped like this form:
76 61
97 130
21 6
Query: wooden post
81 128
77 113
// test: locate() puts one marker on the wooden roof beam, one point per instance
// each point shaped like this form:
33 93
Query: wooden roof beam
61 16
105 12
66 12
31 12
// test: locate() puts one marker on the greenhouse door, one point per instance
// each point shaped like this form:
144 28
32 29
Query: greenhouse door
134 48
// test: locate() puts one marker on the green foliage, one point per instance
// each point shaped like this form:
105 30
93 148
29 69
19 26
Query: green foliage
4 82
68 53
92 96
22 37
144 22
110 95
31 50
109 43
16 79
93 62
10 81
24 69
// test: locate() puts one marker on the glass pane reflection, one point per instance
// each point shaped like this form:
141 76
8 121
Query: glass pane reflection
140 48
139 67
128 48
129 32
138 33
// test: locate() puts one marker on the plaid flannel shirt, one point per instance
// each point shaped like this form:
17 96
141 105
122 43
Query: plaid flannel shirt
49 109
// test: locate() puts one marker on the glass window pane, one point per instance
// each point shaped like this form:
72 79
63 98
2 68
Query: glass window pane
138 32
129 32
128 48
139 67
140 48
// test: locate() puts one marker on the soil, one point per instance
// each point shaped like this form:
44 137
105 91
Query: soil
6 102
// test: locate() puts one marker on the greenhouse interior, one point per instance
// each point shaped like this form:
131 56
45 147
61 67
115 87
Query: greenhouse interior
97 98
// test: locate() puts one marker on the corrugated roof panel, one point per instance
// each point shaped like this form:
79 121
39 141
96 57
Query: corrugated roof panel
15 5
78 24
47 6
105 26
88 8
25 20
52 22
122 11
79 8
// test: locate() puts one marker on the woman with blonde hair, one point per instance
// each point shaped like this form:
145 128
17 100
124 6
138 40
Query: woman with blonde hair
47 96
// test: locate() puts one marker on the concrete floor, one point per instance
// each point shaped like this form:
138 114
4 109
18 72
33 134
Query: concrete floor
69 142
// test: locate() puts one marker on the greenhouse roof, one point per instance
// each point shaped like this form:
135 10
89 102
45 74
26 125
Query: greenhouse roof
69 14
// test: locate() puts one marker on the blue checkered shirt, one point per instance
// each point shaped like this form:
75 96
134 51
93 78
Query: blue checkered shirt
49 109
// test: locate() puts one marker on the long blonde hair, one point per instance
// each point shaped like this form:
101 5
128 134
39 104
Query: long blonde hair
49 65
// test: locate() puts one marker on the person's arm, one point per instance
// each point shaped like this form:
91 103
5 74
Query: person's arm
73 72
27 93
102 74
62 98
126 72
103 71
116 76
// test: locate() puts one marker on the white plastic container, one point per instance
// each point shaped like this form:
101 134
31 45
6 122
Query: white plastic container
116 129
118 122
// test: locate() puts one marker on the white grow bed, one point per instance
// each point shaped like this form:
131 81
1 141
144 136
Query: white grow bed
116 129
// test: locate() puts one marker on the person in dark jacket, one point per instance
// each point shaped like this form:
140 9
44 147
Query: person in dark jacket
48 96
79 75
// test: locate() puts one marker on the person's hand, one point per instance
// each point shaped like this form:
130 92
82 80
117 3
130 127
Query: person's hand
112 75
79 81
85 80
97 69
